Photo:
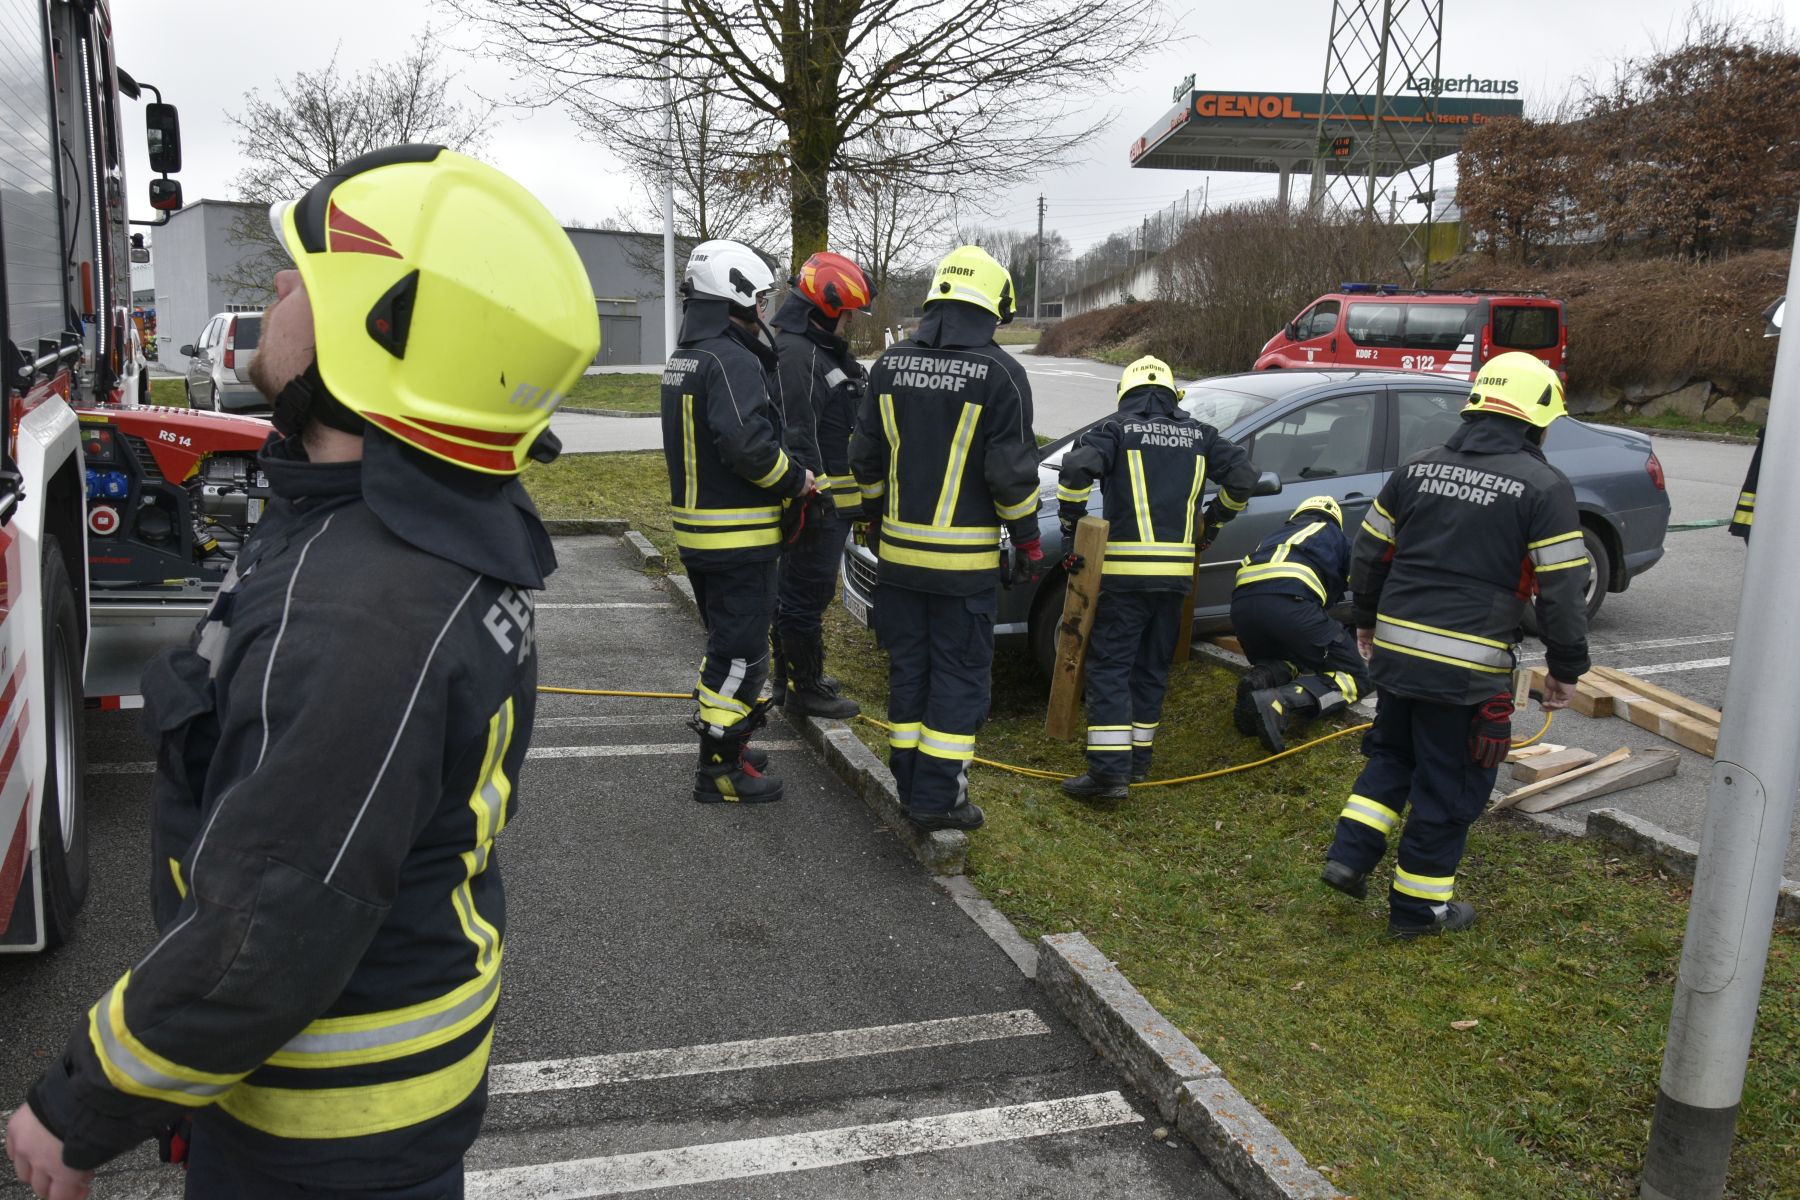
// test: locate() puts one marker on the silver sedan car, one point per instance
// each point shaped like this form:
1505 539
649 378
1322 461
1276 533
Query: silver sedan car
1340 433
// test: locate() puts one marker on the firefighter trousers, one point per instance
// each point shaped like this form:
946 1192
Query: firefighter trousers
808 578
1298 631
940 665
1419 771
212 1175
1128 657
736 605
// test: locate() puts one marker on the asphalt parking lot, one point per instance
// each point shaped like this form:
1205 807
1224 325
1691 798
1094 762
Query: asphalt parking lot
701 1001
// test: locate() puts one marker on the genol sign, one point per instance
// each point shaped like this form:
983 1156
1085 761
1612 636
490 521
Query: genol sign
1467 84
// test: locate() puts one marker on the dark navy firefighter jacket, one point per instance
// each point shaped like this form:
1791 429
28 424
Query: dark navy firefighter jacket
1308 557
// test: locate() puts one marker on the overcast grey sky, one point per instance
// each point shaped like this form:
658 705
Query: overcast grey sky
205 54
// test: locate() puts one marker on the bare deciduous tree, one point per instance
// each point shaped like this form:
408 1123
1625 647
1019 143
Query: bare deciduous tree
941 91
316 121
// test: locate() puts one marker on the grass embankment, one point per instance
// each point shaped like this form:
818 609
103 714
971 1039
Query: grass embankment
1671 423
1207 897
625 393
1017 335
169 393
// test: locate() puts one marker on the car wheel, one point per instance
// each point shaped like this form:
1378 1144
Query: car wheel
1046 611
62 821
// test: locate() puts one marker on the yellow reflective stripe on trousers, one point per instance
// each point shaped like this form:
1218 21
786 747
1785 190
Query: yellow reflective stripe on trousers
347 1112
1299 572
1140 495
892 428
1187 529
1373 813
137 1070
904 735
1436 888
957 747
1143 734
780 469
953 470
1108 737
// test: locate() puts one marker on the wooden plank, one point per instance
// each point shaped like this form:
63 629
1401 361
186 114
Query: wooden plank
1593 695
1062 720
1677 727
1184 633
1230 643
1533 789
1535 750
1642 767
1661 695
1550 765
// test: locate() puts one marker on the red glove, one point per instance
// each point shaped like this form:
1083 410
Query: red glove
1027 563
1490 732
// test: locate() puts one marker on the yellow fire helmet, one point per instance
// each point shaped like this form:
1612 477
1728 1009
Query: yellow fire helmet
1148 371
449 307
1324 504
1518 385
971 274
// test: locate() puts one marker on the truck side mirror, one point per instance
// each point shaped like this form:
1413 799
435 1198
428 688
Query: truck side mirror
165 194
1267 484
1293 330
162 128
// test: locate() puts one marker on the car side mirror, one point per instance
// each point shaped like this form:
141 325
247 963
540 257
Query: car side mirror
165 195
187 351
162 129
1293 331
1267 484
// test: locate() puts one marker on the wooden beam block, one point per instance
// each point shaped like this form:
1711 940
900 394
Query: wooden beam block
1640 768
1531 789
1550 765
1062 719
1230 643
1678 727
1593 695
1535 750
1661 695
1184 634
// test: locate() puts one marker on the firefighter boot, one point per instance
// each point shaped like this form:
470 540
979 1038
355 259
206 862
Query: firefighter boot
808 695
1453 917
1279 710
1354 884
964 816
725 776
1265 674
1089 788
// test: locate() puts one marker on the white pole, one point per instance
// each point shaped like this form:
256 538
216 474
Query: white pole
1744 839
671 313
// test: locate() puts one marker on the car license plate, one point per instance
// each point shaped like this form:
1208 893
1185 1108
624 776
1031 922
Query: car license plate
858 609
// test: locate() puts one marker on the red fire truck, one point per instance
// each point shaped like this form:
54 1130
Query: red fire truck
119 519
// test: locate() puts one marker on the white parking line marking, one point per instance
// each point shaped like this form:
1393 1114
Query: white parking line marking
1692 664
579 722
146 768
630 751
579 1179
559 1074
1655 644
541 605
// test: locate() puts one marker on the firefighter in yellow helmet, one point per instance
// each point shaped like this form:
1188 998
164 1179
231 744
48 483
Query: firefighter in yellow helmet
1304 665
1460 540
1153 463
341 740
944 457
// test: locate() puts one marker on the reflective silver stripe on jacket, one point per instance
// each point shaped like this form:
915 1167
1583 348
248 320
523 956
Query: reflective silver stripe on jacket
1565 551
1444 646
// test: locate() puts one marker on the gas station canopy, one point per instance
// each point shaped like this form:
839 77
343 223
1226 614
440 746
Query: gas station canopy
1276 132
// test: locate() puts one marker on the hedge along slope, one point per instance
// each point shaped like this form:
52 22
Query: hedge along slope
1657 322
1121 327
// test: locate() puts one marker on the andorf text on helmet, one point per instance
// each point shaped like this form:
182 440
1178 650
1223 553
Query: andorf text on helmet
530 396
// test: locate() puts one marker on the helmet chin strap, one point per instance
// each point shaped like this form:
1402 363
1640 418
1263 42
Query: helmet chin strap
307 398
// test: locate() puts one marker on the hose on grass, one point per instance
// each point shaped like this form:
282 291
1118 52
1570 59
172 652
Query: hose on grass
1039 773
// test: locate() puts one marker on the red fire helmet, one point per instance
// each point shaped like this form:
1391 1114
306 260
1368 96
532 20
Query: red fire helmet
833 284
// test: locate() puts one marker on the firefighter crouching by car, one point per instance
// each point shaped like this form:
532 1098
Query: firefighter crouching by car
944 455
821 385
1303 663
730 483
1152 461
340 743
1448 557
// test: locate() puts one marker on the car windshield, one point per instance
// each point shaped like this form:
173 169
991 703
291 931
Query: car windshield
1220 407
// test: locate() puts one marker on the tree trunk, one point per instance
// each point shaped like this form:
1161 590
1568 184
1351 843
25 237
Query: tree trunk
809 182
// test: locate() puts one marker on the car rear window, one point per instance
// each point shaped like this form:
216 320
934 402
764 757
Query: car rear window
1526 327
1436 326
247 329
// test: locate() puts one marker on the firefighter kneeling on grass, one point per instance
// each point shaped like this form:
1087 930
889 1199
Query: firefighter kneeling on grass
1153 462
1448 557
944 455
1303 663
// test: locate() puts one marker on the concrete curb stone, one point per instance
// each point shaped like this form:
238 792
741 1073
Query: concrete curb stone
607 412
681 590
1676 854
649 555
993 922
585 527
1237 1141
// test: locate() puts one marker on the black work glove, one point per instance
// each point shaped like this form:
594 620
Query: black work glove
1027 563
1490 732
1209 533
